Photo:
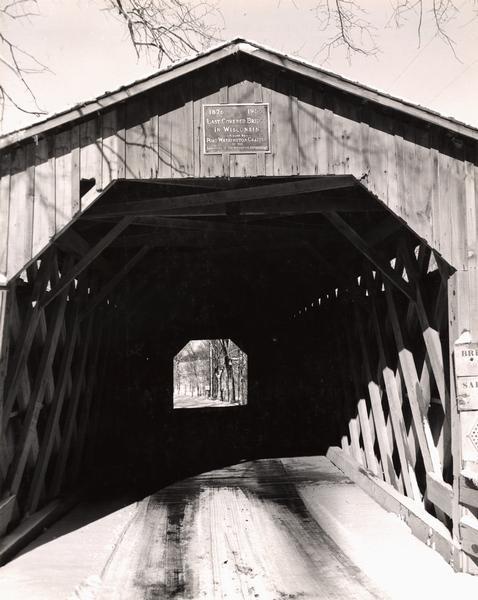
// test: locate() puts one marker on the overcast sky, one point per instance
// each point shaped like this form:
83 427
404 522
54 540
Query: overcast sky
88 52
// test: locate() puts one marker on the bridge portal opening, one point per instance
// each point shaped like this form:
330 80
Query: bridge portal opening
330 306
310 313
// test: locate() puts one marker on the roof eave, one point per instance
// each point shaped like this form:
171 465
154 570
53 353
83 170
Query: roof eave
219 53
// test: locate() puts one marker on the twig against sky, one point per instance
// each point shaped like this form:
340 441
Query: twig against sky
348 23
168 29
440 12
160 29
16 59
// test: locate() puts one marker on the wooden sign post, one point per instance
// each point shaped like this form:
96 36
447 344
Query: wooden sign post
466 372
466 379
466 384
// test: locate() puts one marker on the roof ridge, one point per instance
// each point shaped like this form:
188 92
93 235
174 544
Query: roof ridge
236 44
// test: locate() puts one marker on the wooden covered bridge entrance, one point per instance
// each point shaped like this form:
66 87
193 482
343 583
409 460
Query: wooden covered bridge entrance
329 230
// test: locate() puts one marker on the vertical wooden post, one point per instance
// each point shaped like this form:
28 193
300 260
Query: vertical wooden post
464 415
4 347
101 390
4 342
84 417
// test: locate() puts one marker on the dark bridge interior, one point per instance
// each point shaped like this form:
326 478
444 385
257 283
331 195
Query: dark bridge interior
311 285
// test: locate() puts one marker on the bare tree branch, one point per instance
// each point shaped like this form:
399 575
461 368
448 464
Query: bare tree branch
349 25
441 12
169 28
160 28
16 59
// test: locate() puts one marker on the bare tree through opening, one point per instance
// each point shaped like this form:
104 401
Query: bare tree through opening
210 373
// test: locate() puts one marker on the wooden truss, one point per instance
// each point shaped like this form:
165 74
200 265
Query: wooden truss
386 317
389 324
53 332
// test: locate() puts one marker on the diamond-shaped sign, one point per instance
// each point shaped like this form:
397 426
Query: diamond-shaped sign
473 435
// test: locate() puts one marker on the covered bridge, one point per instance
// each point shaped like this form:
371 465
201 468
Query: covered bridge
328 229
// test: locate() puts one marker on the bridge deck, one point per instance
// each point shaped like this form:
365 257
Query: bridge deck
270 529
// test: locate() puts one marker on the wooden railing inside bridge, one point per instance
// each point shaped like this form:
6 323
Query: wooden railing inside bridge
385 371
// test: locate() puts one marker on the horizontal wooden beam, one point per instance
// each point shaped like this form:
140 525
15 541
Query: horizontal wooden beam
264 209
469 489
298 205
33 525
235 226
469 535
440 493
262 192
207 183
423 525
184 233
371 254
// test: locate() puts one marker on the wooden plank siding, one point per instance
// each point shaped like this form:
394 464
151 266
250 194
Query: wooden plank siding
422 175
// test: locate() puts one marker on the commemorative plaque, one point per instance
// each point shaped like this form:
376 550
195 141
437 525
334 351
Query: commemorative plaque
236 128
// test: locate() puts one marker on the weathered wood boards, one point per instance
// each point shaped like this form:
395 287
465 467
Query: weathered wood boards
416 168
440 493
425 527
333 134
248 194
33 525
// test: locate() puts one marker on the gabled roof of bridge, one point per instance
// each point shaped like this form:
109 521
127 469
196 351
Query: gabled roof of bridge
218 53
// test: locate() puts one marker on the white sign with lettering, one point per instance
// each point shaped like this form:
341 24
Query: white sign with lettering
466 376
